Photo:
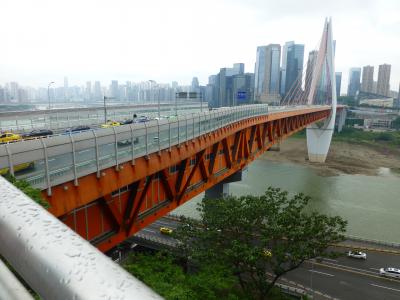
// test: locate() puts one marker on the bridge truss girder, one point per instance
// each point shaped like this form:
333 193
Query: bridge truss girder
124 200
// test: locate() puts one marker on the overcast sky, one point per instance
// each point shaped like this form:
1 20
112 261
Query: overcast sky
168 40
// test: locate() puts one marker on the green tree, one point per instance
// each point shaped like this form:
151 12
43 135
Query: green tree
164 275
258 238
396 123
34 193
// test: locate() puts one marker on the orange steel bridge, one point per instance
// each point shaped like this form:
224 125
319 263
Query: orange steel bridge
108 209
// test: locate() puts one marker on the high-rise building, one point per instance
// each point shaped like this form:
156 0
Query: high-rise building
367 83
114 89
97 91
13 91
88 90
396 102
267 73
2 95
338 79
66 88
383 87
312 58
292 67
354 82
195 84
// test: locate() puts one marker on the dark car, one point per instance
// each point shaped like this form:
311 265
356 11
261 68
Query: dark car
77 129
125 122
142 119
38 133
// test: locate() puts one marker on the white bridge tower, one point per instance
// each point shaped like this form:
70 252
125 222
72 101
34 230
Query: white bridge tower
319 135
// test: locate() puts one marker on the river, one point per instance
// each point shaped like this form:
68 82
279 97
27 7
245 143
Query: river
370 204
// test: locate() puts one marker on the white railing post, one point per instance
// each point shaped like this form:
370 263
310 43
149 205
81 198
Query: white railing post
96 145
73 159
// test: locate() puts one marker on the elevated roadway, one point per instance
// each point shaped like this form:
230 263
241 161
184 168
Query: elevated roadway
107 184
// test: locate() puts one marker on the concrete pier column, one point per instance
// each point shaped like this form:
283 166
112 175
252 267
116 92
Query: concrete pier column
221 189
341 119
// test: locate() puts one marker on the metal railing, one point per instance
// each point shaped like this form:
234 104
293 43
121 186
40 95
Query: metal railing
61 158
57 119
55 261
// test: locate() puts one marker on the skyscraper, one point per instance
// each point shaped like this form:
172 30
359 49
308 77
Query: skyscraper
114 90
396 102
195 84
354 81
338 76
97 90
367 83
383 87
88 90
267 73
312 58
292 66
66 88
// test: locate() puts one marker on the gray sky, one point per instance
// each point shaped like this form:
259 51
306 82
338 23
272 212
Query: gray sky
44 41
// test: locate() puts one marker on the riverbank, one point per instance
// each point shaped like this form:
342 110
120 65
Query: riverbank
343 158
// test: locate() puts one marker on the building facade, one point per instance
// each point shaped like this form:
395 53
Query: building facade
367 83
292 67
338 79
354 82
383 87
267 74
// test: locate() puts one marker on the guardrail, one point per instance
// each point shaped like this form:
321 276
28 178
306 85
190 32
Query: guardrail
64 118
62 158
372 241
55 261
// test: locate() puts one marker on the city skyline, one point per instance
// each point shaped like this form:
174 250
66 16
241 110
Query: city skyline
123 43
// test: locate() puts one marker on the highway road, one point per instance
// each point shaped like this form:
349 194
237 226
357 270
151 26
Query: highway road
341 278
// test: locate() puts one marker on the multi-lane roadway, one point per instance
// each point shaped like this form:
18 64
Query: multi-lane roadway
341 278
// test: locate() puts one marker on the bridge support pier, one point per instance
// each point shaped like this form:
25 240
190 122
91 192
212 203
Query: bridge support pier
341 119
319 138
221 189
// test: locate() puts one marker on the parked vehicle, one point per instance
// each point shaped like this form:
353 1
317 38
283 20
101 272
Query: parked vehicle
9 137
357 254
390 272
110 124
37 133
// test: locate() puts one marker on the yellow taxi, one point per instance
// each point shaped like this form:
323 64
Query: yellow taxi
267 253
166 230
8 137
18 168
110 124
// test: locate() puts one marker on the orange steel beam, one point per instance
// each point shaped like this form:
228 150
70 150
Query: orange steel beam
109 209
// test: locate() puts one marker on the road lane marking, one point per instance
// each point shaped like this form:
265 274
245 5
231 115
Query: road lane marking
51 159
374 269
353 268
385 287
323 273
83 151
330 259
355 272
146 229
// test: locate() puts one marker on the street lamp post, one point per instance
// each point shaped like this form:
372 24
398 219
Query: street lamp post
48 92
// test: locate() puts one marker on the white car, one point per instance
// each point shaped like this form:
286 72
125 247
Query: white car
357 254
390 272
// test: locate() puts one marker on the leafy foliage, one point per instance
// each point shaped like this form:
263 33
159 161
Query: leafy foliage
258 238
30 191
165 276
